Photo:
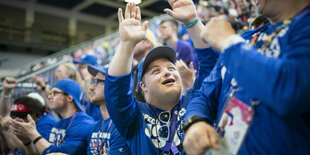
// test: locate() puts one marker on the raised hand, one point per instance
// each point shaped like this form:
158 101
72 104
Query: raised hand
8 84
216 32
130 28
187 74
182 10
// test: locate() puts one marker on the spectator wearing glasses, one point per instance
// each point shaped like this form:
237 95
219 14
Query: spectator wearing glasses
69 135
20 108
104 137
153 127
82 64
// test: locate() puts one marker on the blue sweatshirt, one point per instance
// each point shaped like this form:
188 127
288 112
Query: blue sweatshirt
139 123
104 137
277 77
70 138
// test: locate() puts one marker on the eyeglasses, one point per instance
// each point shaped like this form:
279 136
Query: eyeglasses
164 130
96 81
54 93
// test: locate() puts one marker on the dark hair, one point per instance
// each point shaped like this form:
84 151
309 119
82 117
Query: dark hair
35 106
260 20
173 22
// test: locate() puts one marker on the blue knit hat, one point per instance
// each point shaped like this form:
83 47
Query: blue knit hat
72 88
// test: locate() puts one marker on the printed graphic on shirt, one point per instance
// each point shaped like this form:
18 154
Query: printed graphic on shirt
57 136
159 130
99 143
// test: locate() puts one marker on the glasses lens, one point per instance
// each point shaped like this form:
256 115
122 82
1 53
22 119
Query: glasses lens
164 116
94 82
163 131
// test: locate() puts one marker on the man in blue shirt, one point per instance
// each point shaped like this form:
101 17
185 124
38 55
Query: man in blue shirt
104 137
69 135
153 127
82 64
266 69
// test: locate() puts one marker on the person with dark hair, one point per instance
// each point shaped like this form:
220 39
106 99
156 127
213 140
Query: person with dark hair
104 137
69 135
184 51
20 109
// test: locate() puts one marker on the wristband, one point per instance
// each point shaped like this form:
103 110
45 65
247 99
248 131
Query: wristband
190 121
36 140
192 23
27 144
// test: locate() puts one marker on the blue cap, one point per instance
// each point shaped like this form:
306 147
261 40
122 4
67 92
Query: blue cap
87 59
160 52
72 88
93 70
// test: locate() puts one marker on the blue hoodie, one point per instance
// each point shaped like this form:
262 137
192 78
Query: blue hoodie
138 122
278 78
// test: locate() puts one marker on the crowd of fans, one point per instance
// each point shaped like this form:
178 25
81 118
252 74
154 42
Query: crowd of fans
218 77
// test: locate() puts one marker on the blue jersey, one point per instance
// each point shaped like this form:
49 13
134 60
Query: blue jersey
141 124
277 77
70 135
43 126
105 139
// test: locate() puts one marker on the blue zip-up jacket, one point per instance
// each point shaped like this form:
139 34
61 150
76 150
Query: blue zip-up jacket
279 78
138 122
104 137
74 136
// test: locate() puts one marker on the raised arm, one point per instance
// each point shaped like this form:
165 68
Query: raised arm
131 32
5 104
185 11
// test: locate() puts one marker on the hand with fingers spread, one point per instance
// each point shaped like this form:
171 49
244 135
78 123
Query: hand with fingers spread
182 10
8 84
130 28
24 129
187 74
199 138
216 31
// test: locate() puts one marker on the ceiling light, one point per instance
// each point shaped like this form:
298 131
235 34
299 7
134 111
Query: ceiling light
133 1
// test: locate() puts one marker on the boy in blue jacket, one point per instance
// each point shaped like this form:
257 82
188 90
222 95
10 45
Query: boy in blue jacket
154 127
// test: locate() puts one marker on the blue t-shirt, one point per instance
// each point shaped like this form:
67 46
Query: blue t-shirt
70 135
140 123
277 77
105 138
43 126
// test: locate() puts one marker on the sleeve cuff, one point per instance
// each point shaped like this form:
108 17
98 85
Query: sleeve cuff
232 40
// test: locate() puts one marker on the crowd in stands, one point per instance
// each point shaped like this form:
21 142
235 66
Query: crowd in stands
217 77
